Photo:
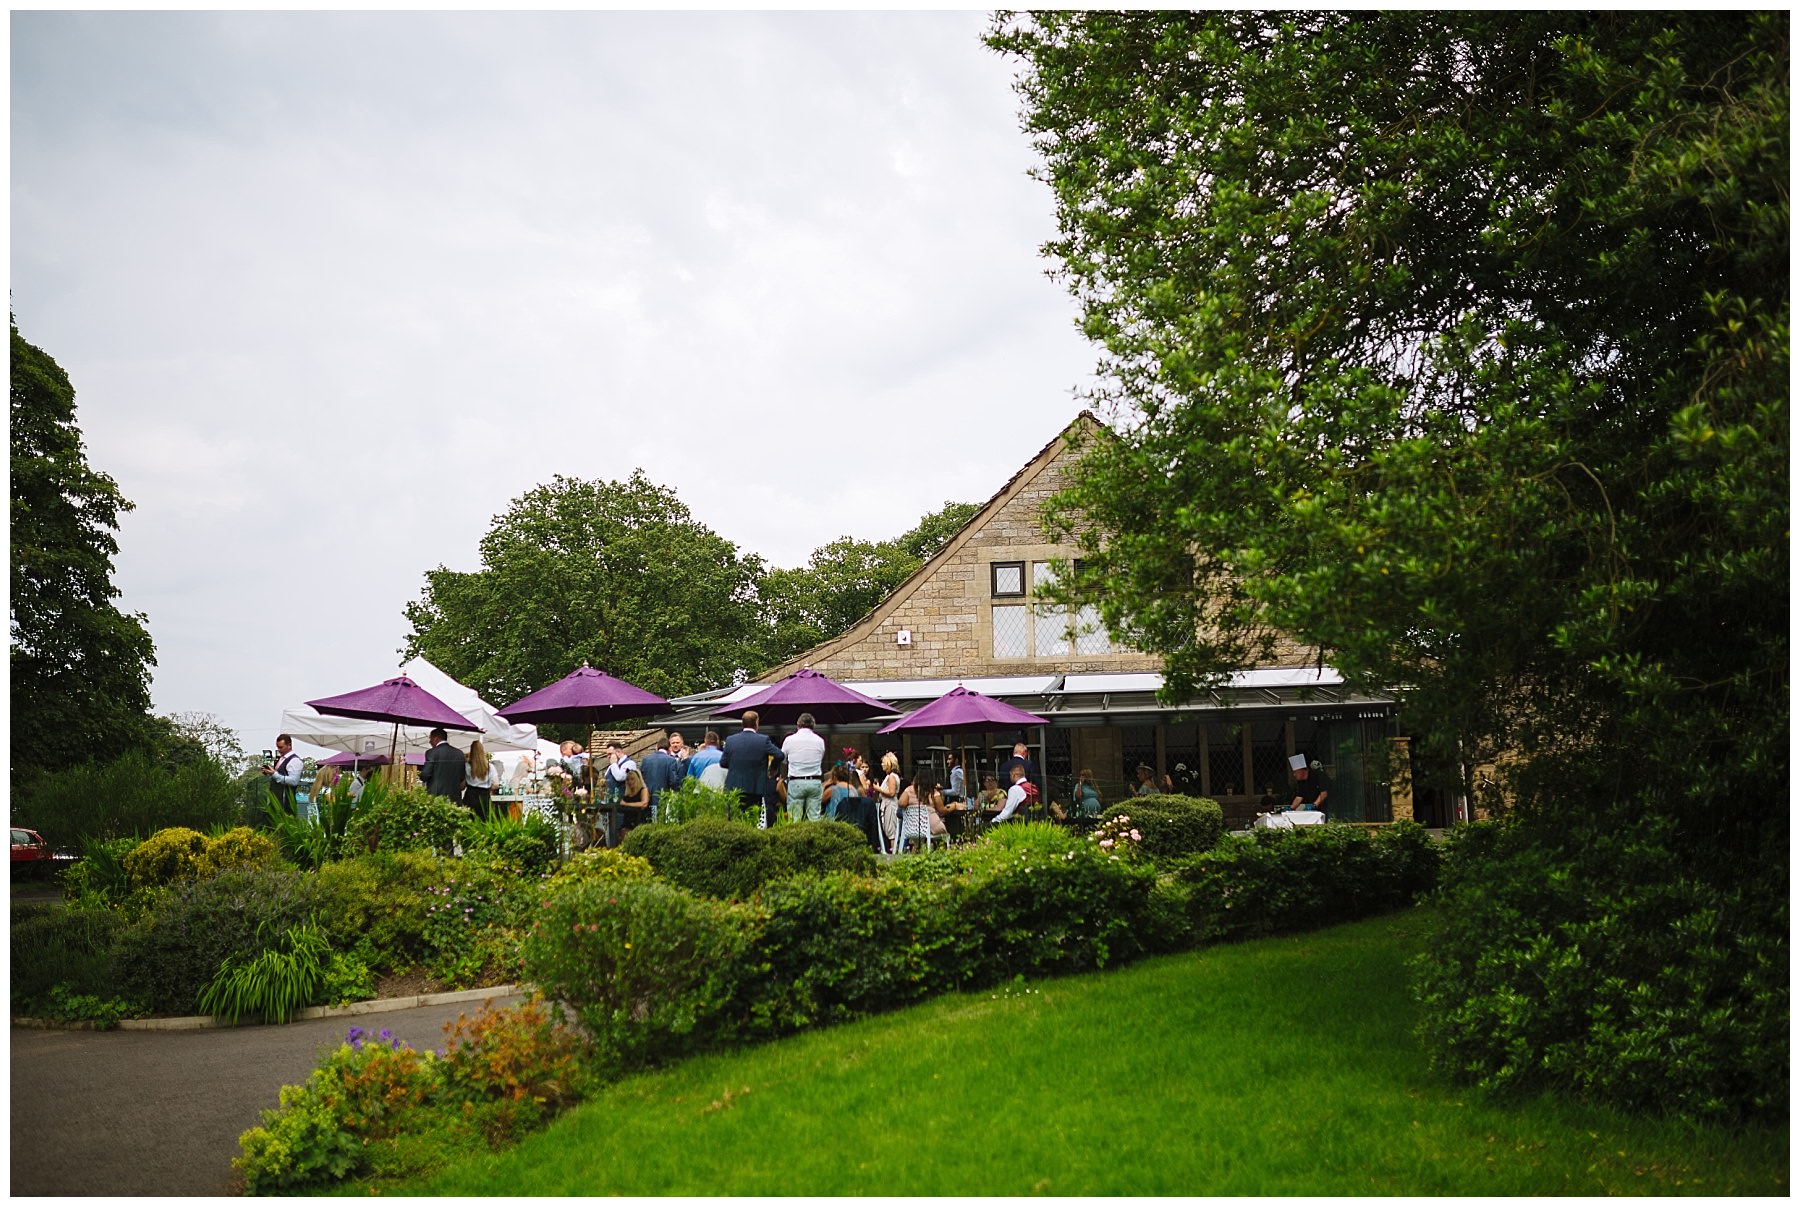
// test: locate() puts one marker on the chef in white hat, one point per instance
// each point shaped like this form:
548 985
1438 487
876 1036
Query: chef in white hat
1310 785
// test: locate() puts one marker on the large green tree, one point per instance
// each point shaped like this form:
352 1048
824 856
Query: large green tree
616 574
845 579
1455 345
80 665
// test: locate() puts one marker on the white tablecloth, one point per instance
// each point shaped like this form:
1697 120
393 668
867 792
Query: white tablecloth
1289 819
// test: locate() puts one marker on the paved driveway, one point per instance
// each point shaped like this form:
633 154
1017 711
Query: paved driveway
159 1112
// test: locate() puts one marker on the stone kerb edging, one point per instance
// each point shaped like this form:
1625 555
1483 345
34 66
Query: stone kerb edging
205 1022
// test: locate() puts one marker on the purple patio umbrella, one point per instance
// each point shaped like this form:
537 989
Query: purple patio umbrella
806 690
586 695
964 710
960 710
398 700
347 759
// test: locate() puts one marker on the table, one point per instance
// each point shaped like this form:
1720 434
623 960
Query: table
1288 819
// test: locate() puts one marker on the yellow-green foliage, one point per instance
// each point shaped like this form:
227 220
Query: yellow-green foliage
165 857
179 853
600 863
239 848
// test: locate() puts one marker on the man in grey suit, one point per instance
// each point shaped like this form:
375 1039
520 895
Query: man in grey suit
443 772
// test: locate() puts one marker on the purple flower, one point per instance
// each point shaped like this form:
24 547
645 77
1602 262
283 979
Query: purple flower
355 1039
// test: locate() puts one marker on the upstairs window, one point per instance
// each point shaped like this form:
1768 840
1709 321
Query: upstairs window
1009 579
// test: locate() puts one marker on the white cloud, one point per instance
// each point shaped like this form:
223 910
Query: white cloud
334 288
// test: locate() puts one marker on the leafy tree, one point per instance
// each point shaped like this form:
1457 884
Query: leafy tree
1454 345
845 579
617 574
183 738
80 666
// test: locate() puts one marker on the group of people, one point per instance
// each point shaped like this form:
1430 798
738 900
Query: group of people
468 779
767 776
794 775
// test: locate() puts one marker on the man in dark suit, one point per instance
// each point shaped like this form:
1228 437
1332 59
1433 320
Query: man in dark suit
661 773
746 762
443 772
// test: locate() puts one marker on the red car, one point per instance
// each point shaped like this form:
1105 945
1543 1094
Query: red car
32 855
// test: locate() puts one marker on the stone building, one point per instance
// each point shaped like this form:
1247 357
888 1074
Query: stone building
970 616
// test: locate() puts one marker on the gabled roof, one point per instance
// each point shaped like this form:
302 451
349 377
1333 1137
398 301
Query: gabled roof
1086 421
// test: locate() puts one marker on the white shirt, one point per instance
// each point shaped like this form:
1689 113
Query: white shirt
1015 796
805 753
288 770
619 770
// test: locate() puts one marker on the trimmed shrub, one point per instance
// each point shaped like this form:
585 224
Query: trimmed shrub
1286 880
196 925
710 856
1041 913
602 863
821 846
379 901
732 860
1172 826
1601 964
834 947
71 948
410 819
237 848
165 857
647 967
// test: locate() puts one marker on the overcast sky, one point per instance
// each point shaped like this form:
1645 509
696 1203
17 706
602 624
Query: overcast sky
333 289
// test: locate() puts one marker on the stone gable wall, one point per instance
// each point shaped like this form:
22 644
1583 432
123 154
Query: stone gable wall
948 611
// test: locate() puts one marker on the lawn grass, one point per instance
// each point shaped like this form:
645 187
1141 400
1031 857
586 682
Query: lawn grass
1284 1066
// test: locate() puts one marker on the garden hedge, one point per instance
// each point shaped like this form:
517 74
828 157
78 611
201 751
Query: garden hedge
1172 826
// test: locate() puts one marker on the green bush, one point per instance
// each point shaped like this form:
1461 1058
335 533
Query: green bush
166 857
98 879
1038 912
732 860
363 1091
1602 965
515 1064
241 847
1172 826
1029 900
132 796
410 819
529 845
171 955
710 856
471 920
379 902
375 1103
821 846
348 977
1275 881
602 863
840 945
67 948
647 967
